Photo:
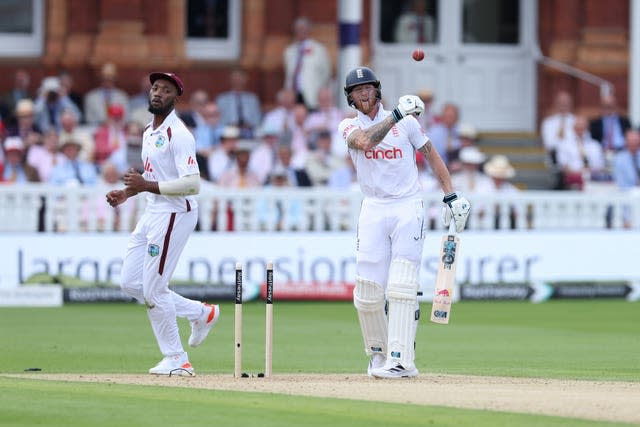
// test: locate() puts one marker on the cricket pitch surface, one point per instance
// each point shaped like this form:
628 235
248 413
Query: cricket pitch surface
592 400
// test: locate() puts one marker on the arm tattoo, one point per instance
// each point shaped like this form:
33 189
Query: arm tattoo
369 138
426 149
377 132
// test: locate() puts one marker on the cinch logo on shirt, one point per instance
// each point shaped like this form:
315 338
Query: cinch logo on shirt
190 161
147 165
377 153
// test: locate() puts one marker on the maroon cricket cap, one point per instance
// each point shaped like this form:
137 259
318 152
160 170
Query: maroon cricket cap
173 78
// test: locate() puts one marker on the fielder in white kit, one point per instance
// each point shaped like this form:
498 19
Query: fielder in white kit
391 226
171 178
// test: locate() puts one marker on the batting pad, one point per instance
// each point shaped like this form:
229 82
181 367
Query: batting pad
402 293
368 298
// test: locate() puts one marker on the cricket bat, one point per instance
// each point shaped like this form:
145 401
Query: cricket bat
445 280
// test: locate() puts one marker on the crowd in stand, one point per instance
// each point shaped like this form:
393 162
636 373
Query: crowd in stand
591 153
59 136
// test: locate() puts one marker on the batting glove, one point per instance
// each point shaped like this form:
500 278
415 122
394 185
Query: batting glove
408 104
457 209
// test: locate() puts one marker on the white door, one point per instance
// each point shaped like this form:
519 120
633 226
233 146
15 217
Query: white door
478 56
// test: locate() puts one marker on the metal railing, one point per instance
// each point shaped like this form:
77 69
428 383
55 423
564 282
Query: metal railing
45 208
606 87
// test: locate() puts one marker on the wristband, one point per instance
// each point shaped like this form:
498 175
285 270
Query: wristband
397 115
450 197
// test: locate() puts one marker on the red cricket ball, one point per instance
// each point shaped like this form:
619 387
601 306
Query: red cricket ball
418 55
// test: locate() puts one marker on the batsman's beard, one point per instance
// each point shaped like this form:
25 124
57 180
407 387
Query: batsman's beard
366 106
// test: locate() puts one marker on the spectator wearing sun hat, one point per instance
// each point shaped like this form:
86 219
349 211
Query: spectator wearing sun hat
468 134
469 178
222 158
467 137
240 176
73 171
24 120
428 118
50 104
16 170
71 129
499 169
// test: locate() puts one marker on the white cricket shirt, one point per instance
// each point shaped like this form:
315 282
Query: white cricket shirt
387 171
168 153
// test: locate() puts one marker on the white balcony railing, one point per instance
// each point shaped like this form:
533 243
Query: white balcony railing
38 207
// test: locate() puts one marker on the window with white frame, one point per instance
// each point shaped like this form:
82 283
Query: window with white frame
21 28
213 29
409 21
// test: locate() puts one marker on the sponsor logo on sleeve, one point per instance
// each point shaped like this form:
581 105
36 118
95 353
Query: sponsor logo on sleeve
347 130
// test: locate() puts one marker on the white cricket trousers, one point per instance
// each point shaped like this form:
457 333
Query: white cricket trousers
388 230
152 255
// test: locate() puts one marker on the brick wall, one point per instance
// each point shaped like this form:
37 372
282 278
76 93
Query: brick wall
142 35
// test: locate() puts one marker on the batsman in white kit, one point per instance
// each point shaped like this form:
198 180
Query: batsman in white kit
391 225
171 180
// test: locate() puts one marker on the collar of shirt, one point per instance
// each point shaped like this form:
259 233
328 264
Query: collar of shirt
382 113
168 121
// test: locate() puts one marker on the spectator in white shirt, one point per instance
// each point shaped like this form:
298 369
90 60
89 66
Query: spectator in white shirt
307 64
580 157
264 156
278 117
321 162
558 125
223 157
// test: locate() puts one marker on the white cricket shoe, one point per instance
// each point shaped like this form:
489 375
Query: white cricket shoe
377 361
394 371
178 364
200 328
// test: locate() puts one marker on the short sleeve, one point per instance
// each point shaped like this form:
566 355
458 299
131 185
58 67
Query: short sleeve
345 128
417 135
184 150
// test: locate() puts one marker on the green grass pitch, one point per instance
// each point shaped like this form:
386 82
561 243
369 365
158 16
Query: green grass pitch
558 339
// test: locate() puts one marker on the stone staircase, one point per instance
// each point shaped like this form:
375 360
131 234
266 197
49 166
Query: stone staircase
526 154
